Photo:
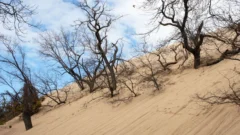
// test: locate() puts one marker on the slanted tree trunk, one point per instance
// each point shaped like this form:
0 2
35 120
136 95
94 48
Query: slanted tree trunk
29 99
27 120
225 55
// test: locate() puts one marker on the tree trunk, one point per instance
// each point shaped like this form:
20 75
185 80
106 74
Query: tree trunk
197 60
111 90
226 54
27 120
80 84
113 83
91 88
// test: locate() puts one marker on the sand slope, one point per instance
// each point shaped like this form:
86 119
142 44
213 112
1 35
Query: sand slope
173 111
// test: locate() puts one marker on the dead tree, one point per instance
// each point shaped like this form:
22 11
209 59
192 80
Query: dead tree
230 96
72 51
13 65
188 18
14 14
125 71
150 72
93 70
96 27
65 49
129 84
228 22
195 21
163 52
49 85
185 56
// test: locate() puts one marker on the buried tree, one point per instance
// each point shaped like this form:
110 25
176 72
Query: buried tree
14 70
86 54
96 27
187 17
30 100
14 14
193 21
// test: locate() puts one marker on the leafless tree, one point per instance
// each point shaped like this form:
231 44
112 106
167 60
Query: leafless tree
72 51
99 21
13 66
49 85
124 75
230 96
14 14
186 56
162 53
150 72
187 17
129 84
227 20
93 70
66 50
192 21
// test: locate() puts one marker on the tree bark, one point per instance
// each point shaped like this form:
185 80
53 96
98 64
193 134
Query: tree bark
226 54
197 60
27 120
111 90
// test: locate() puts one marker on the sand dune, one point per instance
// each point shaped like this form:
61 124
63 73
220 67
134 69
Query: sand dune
172 111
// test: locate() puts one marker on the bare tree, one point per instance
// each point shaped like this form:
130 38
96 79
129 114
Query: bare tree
72 51
187 17
124 75
13 65
230 96
49 85
93 70
129 84
97 25
228 21
195 21
163 52
64 49
150 72
14 14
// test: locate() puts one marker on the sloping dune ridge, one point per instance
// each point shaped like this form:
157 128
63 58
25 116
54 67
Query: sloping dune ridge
172 111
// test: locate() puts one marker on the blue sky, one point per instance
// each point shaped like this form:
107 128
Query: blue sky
54 14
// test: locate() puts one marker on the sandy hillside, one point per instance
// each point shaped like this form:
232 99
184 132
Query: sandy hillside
172 111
